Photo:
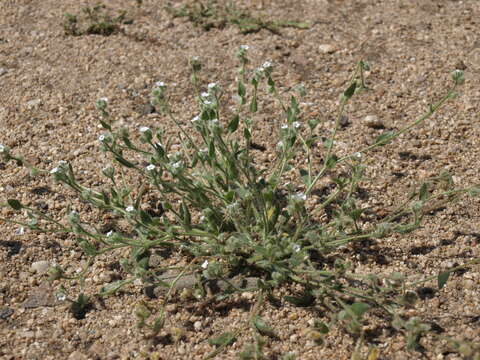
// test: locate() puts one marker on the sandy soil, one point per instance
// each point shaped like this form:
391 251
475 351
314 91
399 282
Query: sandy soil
50 83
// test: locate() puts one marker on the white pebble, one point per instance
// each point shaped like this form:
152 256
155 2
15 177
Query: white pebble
40 267
372 121
327 48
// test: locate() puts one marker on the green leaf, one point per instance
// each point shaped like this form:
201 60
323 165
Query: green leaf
247 135
124 162
305 177
262 326
384 138
423 194
105 125
241 90
321 327
253 105
306 300
112 287
233 125
359 309
331 161
145 218
186 217
14 204
226 338
350 91
443 278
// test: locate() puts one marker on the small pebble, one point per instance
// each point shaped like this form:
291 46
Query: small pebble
372 121
77 355
197 325
33 103
327 48
5 313
40 267
3 71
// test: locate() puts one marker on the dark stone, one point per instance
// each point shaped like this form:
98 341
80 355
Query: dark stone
5 313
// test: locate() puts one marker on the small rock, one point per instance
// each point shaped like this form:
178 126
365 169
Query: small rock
3 71
197 325
372 121
77 355
98 349
344 121
33 103
41 296
155 260
40 267
459 66
5 313
327 48
27 334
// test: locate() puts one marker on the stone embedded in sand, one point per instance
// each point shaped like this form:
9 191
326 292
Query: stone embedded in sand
372 121
40 267
327 48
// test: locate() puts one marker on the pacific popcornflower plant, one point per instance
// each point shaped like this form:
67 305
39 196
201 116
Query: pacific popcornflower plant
232 218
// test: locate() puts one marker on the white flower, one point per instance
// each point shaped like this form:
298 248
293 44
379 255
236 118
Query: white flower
296 248
102 138
296 124
195 119
195 58
300 196
104 99
110 233
177 164
2 149
204 94
207 102
150 167
358 155
266 65
212 85
280 144
144 129
205 264
55 170
130 209
61 296
284 126
20 231
244 47
160 84
202 218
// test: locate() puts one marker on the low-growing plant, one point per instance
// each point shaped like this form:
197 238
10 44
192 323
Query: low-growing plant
229 216
95 21
210 14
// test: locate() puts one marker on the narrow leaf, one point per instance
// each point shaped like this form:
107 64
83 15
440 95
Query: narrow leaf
226 338
442 279
233 125
14 204
423 194
263 327
359 308
124 162
350 91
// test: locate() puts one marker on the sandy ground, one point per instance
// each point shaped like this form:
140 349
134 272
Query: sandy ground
50 82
